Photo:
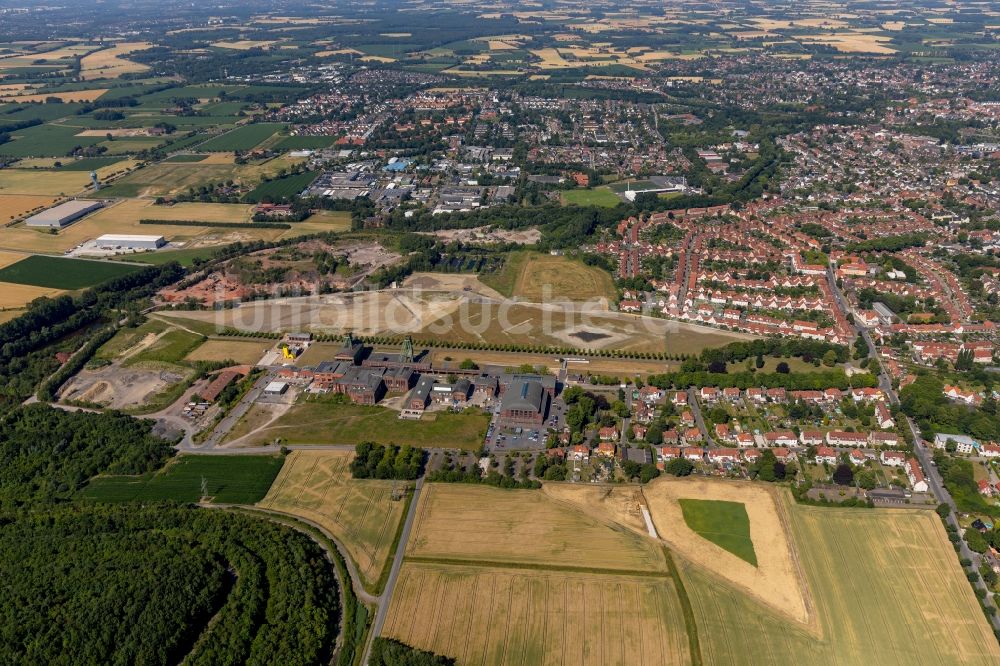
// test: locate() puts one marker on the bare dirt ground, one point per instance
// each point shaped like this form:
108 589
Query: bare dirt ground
117 387
449 282
488 235
777 580
371 256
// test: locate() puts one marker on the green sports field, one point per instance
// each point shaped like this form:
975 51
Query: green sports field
228 480
725 524
60 273
599 197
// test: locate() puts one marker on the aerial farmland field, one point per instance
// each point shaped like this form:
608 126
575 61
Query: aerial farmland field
18 295
38 182
48 140
476 524
280 188
361 514
16 205
228 479
886 586
239 351
318 421
60 273
525 577
490 615
241 138
174 177
109 63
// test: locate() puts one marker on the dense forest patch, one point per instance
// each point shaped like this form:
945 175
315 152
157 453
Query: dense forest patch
157 584
48 454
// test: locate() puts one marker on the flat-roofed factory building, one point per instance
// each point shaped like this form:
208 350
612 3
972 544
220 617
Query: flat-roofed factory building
130 242
64 214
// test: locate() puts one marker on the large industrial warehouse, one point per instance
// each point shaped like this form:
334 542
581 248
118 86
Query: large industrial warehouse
64 214
130 242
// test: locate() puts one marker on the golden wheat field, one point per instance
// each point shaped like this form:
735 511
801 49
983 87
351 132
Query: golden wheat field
361 514
71 96
16 205
109 63
887 589
488 524
487 615
19 295
776 580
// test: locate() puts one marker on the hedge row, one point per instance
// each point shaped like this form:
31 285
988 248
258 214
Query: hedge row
224 225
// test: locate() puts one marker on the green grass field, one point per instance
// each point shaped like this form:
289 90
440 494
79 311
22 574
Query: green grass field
127 337
171 347
46 141
241 138
541 278
60 273
599 197
282 187
322 421
725 524
505 279
633 185
183 257
228 480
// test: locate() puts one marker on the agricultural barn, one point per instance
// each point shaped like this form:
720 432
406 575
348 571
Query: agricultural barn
525 402
131 242
59 216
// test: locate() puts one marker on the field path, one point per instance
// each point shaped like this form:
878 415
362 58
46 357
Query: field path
397 562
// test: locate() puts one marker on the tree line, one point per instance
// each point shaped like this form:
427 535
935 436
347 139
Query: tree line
821 379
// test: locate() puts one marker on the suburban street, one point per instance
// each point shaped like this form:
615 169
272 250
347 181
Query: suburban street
698 418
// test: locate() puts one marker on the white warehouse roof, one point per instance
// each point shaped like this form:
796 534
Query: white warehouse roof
129 238
63 214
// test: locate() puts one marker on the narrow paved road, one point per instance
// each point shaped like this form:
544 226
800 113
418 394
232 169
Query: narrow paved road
397 563
698 418
230 420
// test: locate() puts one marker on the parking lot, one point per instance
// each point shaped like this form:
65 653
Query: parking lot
513 437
